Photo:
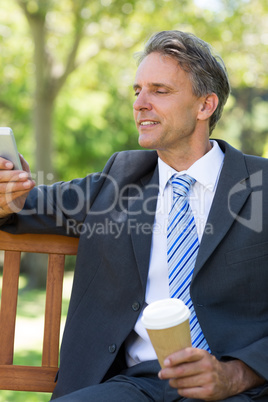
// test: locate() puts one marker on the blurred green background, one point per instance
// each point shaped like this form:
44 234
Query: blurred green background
66 74
67 69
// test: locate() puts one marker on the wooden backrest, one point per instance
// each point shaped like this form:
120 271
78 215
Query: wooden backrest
32 378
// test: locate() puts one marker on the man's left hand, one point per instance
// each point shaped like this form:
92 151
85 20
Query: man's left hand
198 374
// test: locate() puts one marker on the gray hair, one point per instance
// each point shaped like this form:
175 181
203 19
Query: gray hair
207 71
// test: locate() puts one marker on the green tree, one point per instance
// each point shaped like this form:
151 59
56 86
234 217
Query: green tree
57 29
89 108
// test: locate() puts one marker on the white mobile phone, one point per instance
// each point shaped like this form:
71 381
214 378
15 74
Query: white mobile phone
8 147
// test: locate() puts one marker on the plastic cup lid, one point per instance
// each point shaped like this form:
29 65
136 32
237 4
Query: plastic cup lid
165 313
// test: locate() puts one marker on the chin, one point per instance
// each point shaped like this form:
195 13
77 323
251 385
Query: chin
145 142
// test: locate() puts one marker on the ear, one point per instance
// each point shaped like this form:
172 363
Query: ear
208 106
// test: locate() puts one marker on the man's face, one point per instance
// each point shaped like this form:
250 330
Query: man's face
165 110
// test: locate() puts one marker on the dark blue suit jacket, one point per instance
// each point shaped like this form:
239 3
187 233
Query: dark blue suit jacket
113 213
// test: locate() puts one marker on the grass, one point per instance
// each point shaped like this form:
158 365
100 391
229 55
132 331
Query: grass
29 334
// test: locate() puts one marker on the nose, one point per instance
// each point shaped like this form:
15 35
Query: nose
142 102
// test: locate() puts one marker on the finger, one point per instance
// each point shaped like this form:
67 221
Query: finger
7 176
24 164
184 356
10 193
196 380
5 164
187 362
15 187
181 371
200 387
8 198
12 203
200 393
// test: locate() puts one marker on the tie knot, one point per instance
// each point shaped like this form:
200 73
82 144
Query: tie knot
181 185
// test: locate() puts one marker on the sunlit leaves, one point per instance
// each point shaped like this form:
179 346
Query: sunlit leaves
93 110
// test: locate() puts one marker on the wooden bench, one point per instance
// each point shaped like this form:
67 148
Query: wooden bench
32 378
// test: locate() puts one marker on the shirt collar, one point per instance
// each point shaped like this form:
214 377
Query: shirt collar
205 170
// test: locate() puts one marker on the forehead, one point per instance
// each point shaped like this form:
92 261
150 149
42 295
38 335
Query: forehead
157 67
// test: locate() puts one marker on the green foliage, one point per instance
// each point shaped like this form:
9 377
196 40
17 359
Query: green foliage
10 396
93 111
16 72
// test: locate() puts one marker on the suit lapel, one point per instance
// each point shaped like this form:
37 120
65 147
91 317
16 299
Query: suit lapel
231 194
141 206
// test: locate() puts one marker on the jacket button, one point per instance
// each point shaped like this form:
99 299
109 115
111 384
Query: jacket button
112 348
135 306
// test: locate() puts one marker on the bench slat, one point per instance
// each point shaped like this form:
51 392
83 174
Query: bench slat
24 378
10 284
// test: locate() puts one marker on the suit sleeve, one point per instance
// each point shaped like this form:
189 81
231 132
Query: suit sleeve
254 356
60 208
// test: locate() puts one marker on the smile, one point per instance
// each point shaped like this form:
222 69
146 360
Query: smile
148 123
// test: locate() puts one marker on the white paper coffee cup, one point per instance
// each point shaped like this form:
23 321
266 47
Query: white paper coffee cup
167 324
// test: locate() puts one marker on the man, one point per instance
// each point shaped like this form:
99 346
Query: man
121 216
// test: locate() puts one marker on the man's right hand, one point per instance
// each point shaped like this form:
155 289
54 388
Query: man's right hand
14 186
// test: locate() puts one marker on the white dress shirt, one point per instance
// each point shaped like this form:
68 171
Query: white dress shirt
205 171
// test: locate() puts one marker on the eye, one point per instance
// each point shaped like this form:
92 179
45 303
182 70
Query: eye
161 92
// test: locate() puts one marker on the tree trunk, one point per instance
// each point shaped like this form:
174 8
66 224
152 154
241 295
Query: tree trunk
44 103
47 87
47 83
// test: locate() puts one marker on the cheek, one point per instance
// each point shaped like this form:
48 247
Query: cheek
135 115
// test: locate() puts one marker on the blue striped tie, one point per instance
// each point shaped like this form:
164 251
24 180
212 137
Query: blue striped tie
182 246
